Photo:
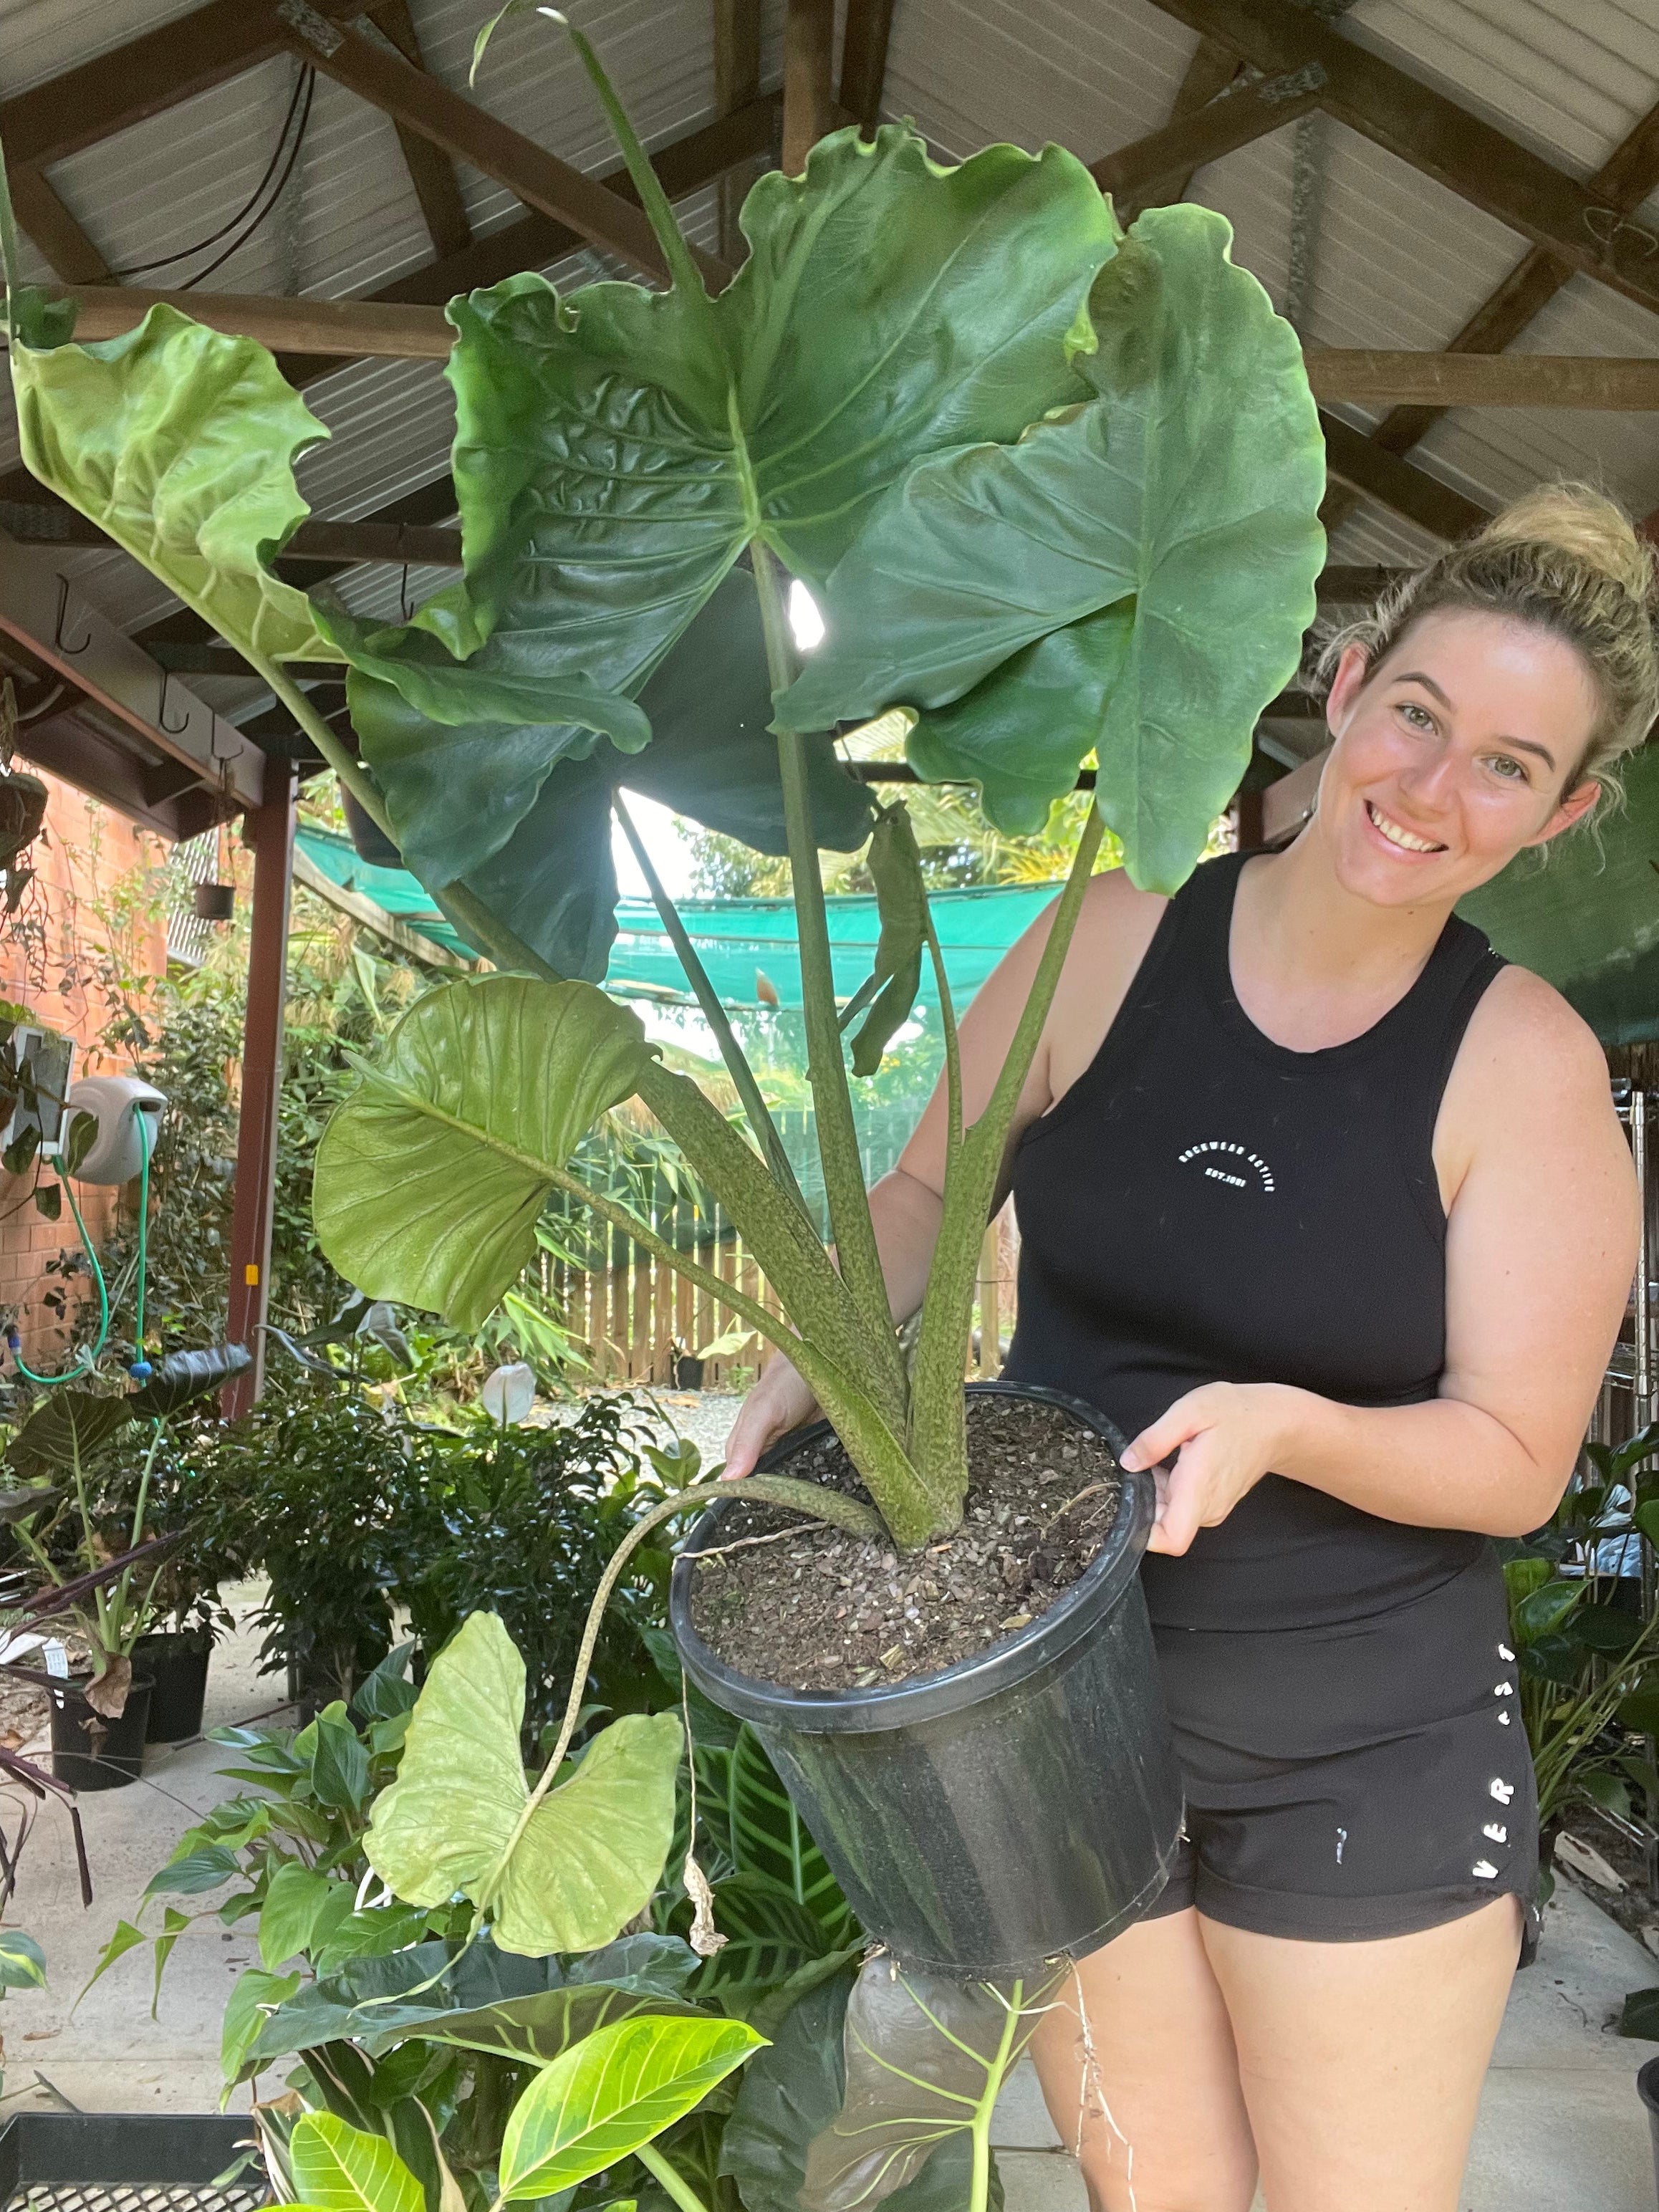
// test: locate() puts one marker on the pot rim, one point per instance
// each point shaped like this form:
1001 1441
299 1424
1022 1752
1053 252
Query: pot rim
931 1697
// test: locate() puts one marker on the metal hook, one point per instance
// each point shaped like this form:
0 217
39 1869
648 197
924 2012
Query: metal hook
172 729
402 593
1605 226
58 642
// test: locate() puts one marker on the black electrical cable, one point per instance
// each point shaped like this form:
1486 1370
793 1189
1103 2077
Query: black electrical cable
299 105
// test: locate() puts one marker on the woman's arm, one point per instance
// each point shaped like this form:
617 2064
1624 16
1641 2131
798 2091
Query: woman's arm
1540 1248
1113 932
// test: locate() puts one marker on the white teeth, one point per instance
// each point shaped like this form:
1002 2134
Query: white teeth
1396 836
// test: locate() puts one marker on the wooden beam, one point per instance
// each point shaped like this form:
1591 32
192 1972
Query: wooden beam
1436 135
161 719
144 77
1471 379
809 40
1212 68
1625 179
463 128
863 44
345 328
430 171
54 230
1168 156
51 524
1351 459
737 82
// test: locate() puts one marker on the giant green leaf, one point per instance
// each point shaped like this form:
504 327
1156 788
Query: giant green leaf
611 2093
479 1094
795 2090
484 1997
566 1877
346 2169
616 448
534 842
180 443
1189 484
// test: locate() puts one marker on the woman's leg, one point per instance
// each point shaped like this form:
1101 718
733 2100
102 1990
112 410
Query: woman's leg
1361 2063
1141 2077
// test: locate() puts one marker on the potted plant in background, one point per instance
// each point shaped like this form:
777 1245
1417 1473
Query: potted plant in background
99 1719
1055 488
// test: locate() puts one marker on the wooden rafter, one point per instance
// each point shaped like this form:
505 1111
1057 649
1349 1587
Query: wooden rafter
1625 179
55 232
460 127
1211 71
737 82
1166 156
809 38
144 77
1436 135
864 60
1352 459
430 170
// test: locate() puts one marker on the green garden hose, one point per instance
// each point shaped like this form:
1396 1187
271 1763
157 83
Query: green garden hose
141 1369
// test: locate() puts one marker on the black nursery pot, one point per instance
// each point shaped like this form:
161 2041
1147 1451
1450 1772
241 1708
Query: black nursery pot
1022 1805
88 1752
177 1661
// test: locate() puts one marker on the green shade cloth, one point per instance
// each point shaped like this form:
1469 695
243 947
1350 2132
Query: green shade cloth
744 944
1584 912
1586 918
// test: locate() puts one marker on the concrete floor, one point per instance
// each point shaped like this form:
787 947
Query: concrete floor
1560 2130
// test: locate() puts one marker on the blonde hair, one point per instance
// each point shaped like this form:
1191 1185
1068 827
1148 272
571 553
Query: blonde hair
1567 560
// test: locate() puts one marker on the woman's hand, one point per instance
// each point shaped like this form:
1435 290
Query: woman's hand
780 1402
1226 1435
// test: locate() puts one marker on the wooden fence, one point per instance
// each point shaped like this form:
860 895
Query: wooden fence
633 1315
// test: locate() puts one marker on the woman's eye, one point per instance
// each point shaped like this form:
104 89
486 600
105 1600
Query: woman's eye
1417 717
1505 765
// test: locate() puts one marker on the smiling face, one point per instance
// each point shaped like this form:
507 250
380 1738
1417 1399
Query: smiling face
1453 756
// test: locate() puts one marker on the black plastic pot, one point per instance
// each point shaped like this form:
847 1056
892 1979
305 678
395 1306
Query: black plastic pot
88 1752
177 1663
688 1373
1021 1805
1647 2088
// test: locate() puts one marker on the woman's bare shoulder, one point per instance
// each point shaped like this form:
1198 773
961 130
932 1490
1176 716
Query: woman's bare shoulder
1532 1069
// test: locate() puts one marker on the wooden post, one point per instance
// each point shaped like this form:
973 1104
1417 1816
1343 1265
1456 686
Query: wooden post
269 828
809 41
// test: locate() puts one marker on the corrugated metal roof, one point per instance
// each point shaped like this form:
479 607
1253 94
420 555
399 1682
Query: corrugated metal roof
1397 259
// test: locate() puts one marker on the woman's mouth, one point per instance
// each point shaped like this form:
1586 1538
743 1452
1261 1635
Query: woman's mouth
1404 839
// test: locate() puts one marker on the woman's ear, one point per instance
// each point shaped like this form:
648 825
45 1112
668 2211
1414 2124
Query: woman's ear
1574 806
1346 685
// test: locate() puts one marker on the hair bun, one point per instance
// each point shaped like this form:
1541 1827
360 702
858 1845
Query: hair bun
1589 528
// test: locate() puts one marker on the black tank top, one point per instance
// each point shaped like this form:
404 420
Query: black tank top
1204 1205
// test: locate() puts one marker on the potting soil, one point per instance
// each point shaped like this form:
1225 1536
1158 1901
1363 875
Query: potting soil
810 1607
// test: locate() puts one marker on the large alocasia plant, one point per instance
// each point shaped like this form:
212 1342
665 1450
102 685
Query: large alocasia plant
1055 488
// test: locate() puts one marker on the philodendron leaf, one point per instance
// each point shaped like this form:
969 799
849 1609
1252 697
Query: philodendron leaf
567 1877
616 448
23 1962
793 2091
612 2092
925 2056
895 866
479 1095
183 1377
180 443
345 2169
1189 483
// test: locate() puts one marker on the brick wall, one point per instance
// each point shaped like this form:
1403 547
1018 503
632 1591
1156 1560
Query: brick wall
95 908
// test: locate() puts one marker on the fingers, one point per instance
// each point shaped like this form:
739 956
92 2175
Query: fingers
751 1433
1178 1512
1185 1420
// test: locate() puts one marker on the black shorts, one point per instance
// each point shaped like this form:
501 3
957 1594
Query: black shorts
1365 1780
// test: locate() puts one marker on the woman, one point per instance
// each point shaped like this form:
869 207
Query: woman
1327 1207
